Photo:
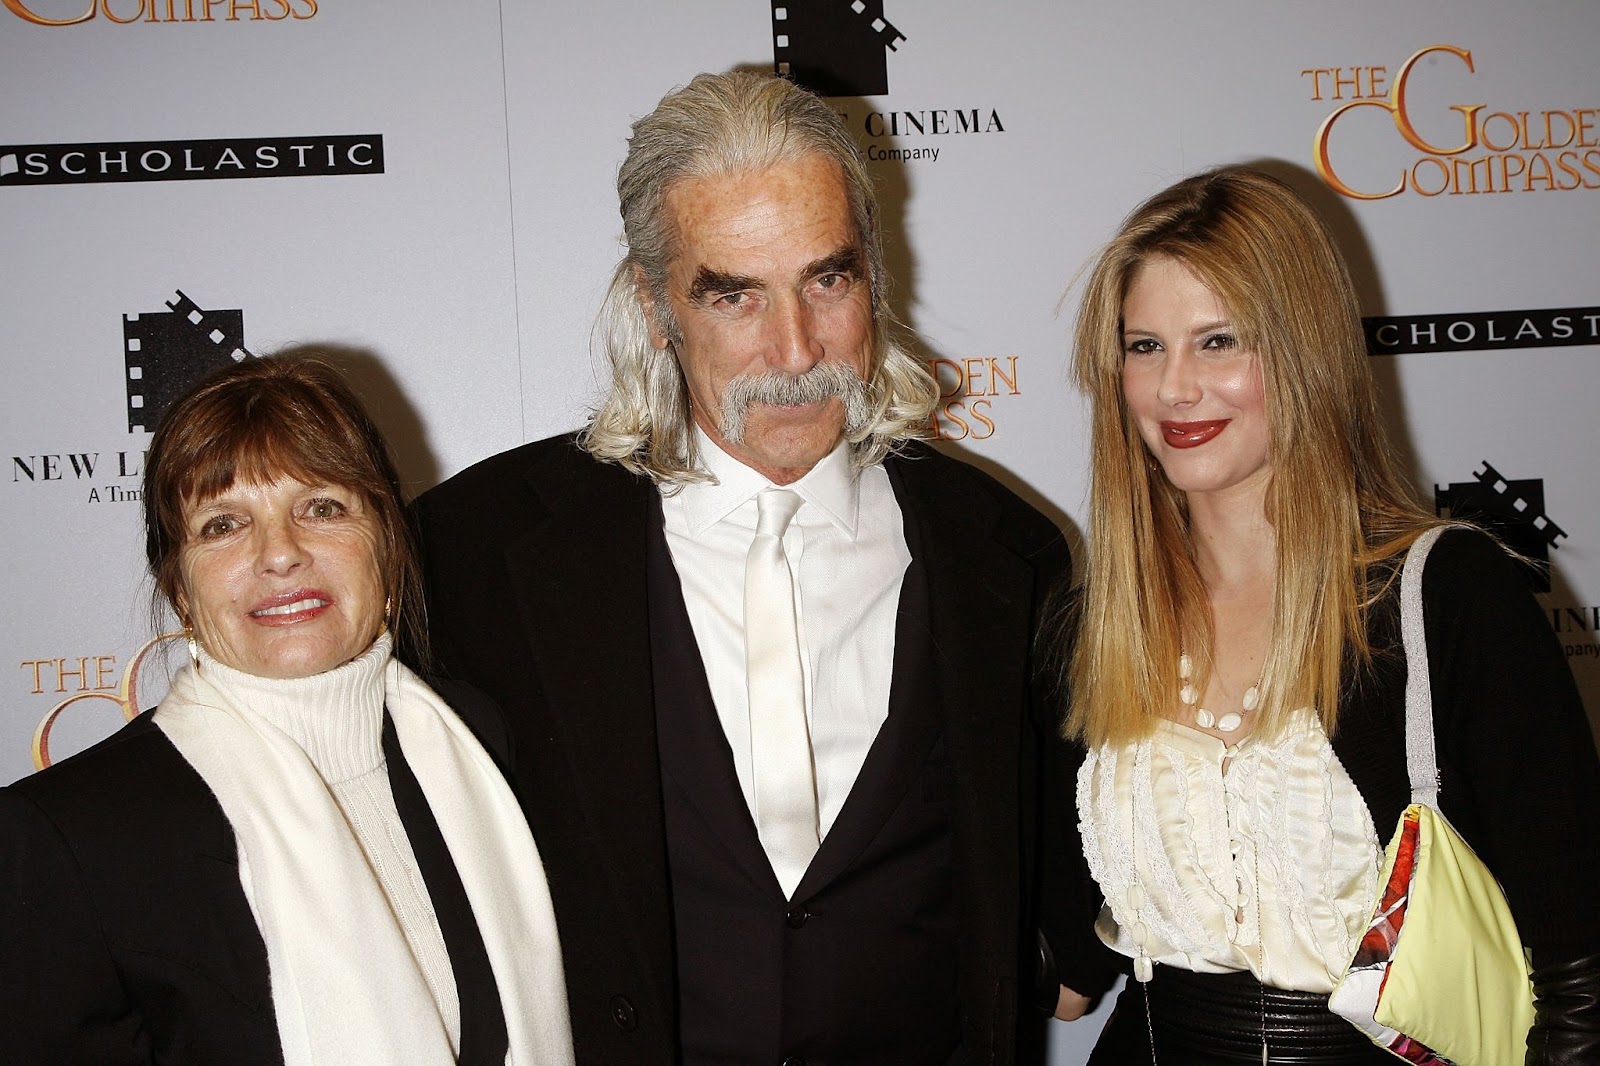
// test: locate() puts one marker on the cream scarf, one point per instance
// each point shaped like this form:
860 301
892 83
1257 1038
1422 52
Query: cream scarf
345 985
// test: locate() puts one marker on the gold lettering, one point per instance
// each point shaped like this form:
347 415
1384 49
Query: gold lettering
1585 120
23 13
1470 166
972 370
38 683
977 412
1444 174
1539 170
1566 161
81 673
105 9
1483 132
998 375
1324 163
1316 80
1402 117
1550 133
948 389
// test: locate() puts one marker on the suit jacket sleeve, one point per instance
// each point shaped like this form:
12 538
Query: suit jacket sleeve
1069 898
63 1000
1516 752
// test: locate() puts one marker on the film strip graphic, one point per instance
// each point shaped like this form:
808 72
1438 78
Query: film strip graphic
166 352
1512 509
833 47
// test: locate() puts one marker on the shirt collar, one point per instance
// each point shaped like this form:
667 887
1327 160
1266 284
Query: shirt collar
831 486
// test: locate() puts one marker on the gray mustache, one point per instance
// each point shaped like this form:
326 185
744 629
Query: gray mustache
824 381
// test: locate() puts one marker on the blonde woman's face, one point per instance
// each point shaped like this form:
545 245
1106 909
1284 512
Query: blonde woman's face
1194 392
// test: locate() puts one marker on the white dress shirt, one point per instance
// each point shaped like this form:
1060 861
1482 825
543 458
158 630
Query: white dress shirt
847 552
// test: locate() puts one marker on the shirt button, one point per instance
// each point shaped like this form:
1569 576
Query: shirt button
623 1014
796 917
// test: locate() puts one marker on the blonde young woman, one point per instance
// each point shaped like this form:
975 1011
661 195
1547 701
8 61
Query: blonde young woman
1237 676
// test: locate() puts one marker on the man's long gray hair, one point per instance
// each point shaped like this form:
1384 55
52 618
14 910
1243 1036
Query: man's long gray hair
721 124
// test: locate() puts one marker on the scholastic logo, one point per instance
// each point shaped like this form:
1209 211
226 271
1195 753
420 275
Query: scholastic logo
1512 510
1482 331
126 12
238 157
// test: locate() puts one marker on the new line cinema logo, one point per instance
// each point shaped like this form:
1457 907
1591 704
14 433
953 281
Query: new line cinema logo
840 48
164 353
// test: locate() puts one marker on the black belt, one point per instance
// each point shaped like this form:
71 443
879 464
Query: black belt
1197 1019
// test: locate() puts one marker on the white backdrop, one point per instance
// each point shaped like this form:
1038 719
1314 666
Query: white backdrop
460 254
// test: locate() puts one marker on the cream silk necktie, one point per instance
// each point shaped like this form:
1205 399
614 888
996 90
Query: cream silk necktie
780 739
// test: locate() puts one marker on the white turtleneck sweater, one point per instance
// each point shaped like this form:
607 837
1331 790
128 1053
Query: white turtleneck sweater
336 718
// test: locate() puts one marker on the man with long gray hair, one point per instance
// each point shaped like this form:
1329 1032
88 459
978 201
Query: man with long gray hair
767 659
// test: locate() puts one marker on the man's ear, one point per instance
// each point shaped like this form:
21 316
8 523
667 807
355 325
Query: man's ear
647 304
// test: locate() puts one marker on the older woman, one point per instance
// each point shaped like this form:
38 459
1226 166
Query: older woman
1238 681
303 855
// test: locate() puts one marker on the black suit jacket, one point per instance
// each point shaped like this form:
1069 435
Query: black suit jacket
125 935
535 566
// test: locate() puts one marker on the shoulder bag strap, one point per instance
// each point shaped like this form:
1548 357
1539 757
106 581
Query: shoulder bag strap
1421 763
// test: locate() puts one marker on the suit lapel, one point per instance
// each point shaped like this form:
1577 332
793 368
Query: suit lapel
981 595
960 652
691 735
579 577
900 748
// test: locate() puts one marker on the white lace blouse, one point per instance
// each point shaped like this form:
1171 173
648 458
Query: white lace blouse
1258 857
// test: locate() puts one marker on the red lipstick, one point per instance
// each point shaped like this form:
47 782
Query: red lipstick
1192 434
288 608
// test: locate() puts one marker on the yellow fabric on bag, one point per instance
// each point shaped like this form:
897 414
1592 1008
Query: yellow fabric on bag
1458 979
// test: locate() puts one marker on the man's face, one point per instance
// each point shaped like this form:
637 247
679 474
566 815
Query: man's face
769 281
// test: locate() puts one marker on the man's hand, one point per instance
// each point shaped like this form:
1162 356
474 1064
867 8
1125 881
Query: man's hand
1070 1006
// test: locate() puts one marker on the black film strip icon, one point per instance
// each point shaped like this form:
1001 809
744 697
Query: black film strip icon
168 351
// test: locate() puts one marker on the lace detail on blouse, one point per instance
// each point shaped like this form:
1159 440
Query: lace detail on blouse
1259 857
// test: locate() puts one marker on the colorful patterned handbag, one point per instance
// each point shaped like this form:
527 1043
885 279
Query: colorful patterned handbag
1440 975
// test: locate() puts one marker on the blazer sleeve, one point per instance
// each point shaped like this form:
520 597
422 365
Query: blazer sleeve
1069 898
1512 728
63 1001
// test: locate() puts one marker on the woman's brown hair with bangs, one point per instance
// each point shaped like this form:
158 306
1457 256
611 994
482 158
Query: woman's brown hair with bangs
263 419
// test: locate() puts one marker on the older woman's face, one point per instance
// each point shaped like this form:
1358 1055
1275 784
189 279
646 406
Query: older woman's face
282 579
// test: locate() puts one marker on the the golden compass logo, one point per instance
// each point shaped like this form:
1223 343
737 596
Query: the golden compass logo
125 695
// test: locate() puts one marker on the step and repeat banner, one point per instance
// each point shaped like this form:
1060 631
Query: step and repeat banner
426 189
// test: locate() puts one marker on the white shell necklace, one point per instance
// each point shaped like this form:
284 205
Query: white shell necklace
1203 718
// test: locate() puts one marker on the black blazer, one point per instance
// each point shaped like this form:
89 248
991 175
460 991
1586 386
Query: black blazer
535 567
125 935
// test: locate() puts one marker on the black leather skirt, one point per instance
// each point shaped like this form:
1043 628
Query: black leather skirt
1197 1019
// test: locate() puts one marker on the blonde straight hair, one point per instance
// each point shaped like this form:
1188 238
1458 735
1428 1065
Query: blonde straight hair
1340 510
